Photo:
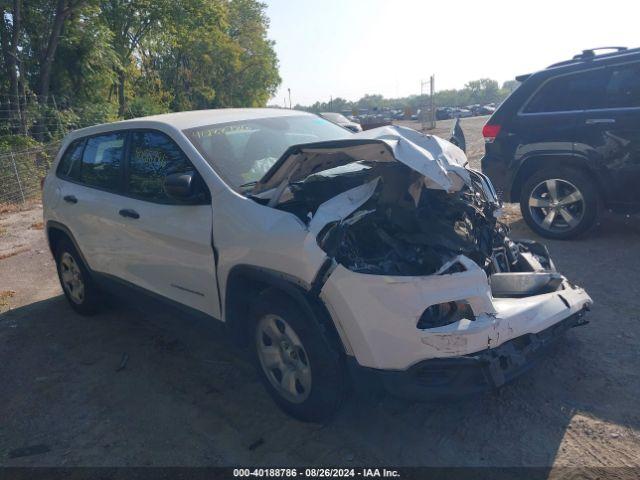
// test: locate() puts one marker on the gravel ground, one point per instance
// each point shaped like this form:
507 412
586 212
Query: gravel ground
185 397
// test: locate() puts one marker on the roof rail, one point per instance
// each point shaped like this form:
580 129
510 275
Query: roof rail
590 53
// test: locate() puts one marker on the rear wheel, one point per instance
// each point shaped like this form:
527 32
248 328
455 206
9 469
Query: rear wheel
559 203
296 360
76 282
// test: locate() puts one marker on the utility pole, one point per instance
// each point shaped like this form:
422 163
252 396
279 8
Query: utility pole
290 105
428 115
423 105
432 92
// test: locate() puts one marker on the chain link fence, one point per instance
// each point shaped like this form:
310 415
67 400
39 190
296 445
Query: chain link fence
21 173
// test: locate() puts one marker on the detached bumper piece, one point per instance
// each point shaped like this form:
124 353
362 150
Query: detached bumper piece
470 374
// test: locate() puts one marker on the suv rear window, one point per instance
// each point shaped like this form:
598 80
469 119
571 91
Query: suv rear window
69 165
102 160
578 91
613 87
623 88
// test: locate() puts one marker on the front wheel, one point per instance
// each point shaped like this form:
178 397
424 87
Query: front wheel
296 360
559 203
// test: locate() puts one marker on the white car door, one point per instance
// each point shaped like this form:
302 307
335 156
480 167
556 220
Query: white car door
91 177
164 246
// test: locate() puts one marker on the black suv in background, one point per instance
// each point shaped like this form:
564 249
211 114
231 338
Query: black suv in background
567 141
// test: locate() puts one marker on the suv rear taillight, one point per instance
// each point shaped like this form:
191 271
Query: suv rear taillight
490 132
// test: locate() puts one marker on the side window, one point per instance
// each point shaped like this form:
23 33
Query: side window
623 89
578 91
102 160
153 156
69 165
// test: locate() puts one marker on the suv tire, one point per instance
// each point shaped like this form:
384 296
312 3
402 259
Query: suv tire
76 281
559 203
296 360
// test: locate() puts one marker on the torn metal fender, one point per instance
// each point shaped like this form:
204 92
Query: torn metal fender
247 233
341 206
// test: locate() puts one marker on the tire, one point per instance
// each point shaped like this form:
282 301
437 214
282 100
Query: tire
573 210
297 347
77 284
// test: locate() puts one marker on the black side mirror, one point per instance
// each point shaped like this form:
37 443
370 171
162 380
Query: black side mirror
457 136
184 187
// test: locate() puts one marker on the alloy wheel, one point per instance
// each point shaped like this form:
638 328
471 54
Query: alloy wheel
556 205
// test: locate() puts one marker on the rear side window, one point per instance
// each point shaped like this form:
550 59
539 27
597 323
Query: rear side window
578 91
623 88
69 166
102 161
154 156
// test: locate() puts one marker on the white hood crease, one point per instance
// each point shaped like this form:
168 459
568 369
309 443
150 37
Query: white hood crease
440 162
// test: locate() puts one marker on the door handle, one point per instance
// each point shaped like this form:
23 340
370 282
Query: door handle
70 199
594 121
127 212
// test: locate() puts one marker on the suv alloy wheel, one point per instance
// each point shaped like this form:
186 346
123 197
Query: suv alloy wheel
559 203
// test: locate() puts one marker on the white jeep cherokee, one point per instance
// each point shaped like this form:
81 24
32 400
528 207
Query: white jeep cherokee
376 258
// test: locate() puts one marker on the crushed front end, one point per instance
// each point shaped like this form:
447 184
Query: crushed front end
426 289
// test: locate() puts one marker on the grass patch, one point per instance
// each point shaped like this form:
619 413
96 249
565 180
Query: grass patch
5 295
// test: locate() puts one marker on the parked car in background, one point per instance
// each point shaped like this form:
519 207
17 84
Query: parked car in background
461 113
341 120
484 110
335 258
567 142
444 113
374 120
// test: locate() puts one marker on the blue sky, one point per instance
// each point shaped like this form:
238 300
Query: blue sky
348 48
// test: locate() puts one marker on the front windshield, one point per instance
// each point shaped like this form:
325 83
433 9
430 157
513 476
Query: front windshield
242 152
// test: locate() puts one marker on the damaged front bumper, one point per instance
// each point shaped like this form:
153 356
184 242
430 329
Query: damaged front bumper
469 374
376 318
377 315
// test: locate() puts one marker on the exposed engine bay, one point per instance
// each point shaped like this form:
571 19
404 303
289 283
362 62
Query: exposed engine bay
412 223
408 229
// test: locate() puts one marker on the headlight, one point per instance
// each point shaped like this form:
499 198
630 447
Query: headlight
443 314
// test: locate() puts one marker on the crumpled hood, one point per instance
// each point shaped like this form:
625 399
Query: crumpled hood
441 162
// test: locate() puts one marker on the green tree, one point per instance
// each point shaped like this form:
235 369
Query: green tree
484 90
129 21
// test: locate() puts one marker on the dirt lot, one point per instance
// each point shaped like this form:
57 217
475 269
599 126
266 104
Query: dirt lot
185 397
